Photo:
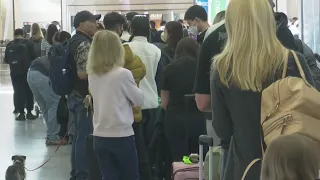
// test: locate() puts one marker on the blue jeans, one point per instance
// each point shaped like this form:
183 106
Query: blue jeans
83 127
117 157
47 100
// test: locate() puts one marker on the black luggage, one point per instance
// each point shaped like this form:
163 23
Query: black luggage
94 170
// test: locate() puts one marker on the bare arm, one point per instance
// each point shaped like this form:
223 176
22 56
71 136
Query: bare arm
164 99
203 102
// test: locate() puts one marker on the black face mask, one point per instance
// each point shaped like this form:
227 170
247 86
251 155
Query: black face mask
121 33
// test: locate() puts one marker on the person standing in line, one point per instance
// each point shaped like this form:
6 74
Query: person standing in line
114 22
150 56
114 141
86 26
19 54
48 41
36 38
183 123
172 34
253 58
129 17
197 19
213 45
153 31
38 80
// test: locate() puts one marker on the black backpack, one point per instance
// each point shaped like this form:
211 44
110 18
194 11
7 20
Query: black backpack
16 55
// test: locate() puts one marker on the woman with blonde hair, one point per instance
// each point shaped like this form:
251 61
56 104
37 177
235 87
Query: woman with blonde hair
36 38
114 93
252 59
292 157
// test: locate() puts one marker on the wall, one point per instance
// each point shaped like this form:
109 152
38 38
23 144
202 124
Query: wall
38 10
27 11
71 7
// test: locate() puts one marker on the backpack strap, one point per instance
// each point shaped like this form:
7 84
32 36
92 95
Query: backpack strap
302 74
249 167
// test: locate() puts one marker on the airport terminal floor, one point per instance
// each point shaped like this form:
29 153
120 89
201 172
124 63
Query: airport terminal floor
28 138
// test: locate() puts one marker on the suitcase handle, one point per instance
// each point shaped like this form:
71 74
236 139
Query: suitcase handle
204 139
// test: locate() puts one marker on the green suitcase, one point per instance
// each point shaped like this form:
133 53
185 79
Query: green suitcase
217 152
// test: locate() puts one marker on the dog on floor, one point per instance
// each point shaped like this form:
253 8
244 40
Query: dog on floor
17 170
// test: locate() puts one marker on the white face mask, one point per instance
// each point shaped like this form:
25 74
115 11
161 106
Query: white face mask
193 30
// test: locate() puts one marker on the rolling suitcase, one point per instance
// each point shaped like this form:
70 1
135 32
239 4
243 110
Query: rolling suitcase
183 171
94 170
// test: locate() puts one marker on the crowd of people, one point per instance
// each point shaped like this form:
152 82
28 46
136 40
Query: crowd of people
192 77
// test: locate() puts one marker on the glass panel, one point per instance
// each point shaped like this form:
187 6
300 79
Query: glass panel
310 23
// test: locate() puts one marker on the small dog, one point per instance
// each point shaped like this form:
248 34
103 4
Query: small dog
17 170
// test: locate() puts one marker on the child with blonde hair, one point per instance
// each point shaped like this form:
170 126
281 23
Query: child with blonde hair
292 157
114 92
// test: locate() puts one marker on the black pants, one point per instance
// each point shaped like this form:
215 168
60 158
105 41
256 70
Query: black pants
182 130
23 97
142 151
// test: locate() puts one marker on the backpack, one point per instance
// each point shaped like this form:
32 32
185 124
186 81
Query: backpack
16 55
289 106
62 71
312 61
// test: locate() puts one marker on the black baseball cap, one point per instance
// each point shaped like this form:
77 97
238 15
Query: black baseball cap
83 16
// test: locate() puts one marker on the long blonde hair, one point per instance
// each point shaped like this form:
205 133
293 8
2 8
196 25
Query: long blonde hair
106 52
292 157
36 33
253 54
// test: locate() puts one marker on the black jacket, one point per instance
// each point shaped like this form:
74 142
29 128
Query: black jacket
81 86
236 118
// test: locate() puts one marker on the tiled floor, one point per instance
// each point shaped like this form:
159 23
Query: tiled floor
28 138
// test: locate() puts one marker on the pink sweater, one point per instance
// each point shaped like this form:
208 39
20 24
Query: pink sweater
113 94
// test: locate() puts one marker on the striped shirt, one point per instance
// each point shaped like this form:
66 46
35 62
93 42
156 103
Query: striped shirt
45 46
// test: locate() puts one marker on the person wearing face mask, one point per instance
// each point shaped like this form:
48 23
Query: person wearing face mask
79 45
197 19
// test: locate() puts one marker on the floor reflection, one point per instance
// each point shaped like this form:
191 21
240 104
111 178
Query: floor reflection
28 138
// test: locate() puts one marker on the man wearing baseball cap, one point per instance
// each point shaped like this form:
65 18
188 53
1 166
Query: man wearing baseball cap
86 26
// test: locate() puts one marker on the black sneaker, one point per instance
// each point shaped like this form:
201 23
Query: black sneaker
21 117
15 111
30 116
